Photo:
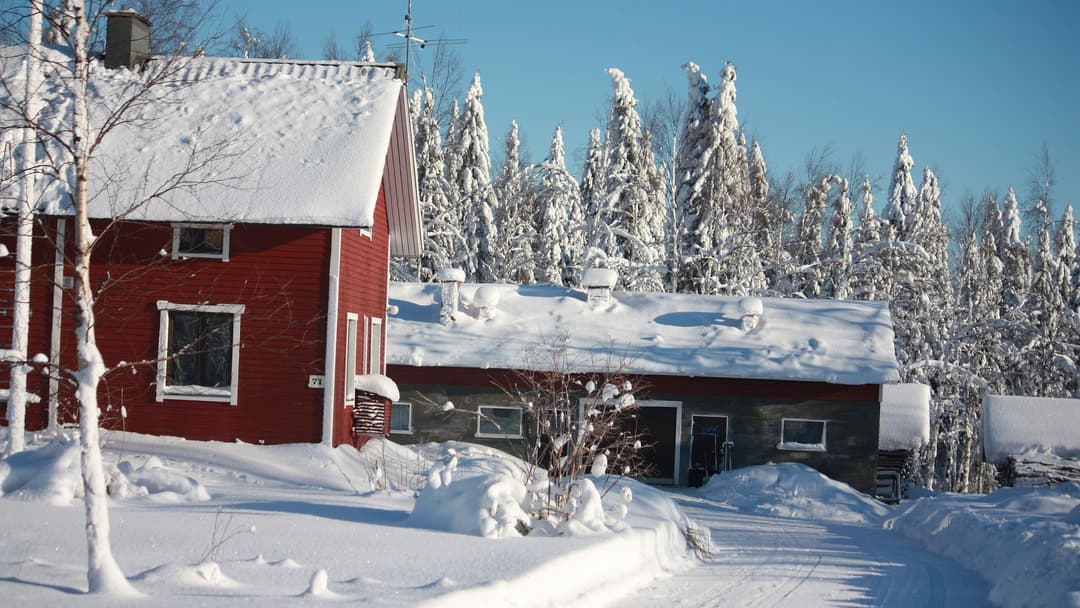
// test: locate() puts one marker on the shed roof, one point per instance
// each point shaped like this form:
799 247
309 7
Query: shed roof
647 333
1020 425
258 141
905 416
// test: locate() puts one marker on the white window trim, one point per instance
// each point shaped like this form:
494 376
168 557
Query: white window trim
480 417
197 393
804 447
375 347
225 238
350 356
394 431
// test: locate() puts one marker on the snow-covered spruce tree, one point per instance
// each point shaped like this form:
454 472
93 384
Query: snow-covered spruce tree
474 187
809 274
1065 250
559 238
626 228
766 219
691 195
444 245
1050 357
719 244
515 254
866 271
836 259
1016 265
903 198
592 186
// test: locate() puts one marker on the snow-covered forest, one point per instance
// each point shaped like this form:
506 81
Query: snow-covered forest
681 201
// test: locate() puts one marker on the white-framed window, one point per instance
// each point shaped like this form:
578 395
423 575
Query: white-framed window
198 351
375 337
352 321
803 435
201 241
401 419
499 421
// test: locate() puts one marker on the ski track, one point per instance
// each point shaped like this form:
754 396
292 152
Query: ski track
760 561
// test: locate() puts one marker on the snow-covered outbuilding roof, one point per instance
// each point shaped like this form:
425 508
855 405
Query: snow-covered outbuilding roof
261 141
1025 425
905 416
646 333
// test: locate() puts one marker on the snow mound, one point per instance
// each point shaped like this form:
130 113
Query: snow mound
474 492
1025 542
51 472
205 575
795 491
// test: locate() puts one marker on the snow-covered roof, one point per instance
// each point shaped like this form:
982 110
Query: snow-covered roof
650 333
905 416
1018 425
283 142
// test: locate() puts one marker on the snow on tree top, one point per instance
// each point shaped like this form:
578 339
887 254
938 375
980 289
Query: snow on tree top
649 333
1018 425
905 416
286 142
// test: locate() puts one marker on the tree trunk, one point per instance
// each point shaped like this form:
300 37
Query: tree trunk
16 411
103 574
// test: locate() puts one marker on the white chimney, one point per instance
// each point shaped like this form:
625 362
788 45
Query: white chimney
598 283
486 301
752 308
451 279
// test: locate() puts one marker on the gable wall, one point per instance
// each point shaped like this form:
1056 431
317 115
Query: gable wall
364 264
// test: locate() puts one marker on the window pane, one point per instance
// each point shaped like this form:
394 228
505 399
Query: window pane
811 432
200 349
399 417
202 240
500 421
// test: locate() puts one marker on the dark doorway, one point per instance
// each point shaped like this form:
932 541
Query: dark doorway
708 434
657 426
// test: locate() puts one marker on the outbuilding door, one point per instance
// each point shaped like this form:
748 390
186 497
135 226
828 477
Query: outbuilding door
657 422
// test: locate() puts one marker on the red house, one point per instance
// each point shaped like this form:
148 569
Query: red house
242 302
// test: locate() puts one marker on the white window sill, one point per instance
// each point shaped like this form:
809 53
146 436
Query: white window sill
801 447
197 393
498 436
401 432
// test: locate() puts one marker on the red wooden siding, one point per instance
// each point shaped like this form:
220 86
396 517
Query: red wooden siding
279 273
652 385
364 267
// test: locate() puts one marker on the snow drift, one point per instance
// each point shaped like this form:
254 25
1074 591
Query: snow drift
795 491
1025 542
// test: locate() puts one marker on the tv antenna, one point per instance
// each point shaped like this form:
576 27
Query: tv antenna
410 39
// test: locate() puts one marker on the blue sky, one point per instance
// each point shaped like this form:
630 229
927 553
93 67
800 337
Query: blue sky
978 86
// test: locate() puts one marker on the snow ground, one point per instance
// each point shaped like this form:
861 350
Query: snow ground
273 517
219 524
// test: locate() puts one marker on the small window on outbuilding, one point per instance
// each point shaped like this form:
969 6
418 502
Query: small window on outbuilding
201 241
802 435
503 422
401 419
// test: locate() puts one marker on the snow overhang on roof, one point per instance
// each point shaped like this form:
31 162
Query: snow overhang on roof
1024 425
256 141
647 333
905 416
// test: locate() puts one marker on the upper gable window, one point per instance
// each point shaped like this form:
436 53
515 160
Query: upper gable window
201 241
